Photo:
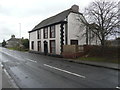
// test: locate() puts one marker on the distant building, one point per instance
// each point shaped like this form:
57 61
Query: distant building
65 28
13 42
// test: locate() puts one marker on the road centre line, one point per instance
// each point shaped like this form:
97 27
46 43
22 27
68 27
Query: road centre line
81 76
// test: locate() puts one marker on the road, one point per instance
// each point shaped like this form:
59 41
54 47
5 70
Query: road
38 71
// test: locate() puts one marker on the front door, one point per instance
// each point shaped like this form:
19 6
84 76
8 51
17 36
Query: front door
45 47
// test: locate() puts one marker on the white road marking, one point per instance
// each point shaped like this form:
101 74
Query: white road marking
31 60
65 71
118 87
10 79
20 58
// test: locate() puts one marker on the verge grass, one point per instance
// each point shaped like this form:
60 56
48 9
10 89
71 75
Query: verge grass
100 59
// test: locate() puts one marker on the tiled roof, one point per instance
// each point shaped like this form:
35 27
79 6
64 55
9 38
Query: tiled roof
14 39
54 19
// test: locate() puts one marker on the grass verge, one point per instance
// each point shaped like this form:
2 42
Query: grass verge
99 59
18 49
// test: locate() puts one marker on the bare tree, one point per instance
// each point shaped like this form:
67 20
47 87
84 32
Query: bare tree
102 19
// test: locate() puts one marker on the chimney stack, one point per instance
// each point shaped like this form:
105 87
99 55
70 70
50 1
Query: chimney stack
75 8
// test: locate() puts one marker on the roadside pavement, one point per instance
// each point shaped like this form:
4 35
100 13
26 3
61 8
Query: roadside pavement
6 80
97 64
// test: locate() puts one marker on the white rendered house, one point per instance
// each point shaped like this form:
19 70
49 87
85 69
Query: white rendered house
62 29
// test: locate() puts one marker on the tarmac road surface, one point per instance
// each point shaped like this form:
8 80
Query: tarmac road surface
38 71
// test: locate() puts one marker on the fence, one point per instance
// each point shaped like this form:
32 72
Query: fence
73 48
72 51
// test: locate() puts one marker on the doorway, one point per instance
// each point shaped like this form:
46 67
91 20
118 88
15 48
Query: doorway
45 47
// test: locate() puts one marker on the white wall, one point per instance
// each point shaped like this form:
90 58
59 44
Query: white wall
33 37
75 28
58 39
57 27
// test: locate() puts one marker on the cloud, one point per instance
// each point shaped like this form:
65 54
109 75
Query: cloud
29 13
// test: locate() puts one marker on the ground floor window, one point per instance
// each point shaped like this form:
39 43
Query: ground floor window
52 46
74 42
39 45
32 45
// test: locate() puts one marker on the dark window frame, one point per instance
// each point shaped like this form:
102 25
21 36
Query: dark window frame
39 34
52 47
39 45
73 42
52 31
45 33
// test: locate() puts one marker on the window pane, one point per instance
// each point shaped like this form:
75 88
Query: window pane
39 45
45 33
39 34
74 42
52 32
52 46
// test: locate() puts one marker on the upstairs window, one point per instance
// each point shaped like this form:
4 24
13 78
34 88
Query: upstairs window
45 33
52 32
39 34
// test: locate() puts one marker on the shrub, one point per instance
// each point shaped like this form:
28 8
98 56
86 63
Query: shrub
109 52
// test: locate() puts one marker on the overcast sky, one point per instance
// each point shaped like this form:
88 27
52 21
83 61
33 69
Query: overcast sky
29 13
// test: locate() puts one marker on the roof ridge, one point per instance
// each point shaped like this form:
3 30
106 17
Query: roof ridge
57 14
57 18
52 17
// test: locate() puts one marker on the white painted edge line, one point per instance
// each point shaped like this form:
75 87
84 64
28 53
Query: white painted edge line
11 80
118 87
31 60
65 71
20 58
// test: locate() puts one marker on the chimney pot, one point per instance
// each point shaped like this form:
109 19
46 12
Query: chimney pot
75 8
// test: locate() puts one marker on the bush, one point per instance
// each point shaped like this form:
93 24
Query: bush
3 43
109 52
25 43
